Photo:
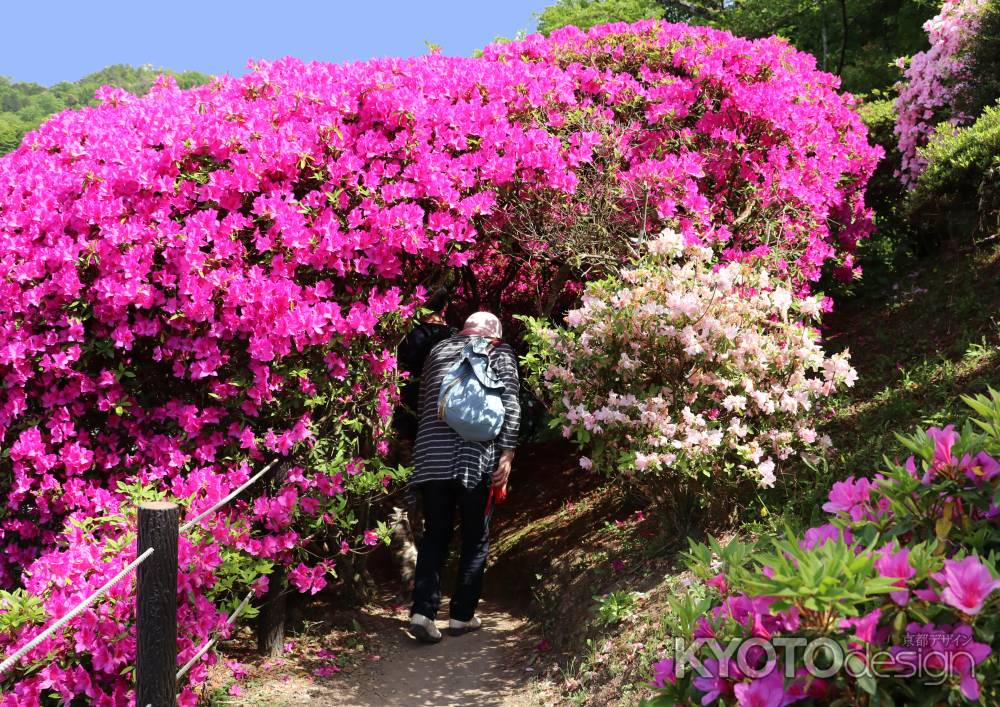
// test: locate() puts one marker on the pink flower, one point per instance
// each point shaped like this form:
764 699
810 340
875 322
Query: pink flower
864 626
718 582
238 670
944 440
715 684
371 537
767 691
967 584
980 468
820 535
308 579
896 564
664 671
851 496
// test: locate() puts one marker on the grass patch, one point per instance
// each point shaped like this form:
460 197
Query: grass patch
933 336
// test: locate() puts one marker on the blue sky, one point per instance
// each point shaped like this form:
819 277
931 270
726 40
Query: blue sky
47 41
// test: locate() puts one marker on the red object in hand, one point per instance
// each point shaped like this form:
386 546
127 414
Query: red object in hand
496 495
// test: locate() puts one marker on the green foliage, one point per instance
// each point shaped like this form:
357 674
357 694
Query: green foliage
959 189
18 608
982 59
891 244
829 578
863 578
588 13
885 191
24 106
614 608
857 39
235 573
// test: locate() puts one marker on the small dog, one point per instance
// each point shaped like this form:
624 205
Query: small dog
403 547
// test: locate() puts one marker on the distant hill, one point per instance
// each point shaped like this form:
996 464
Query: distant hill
23 106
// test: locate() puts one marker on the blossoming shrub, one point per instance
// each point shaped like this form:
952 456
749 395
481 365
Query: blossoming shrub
981 56
197 281
678 365
900 585
934 81
740 143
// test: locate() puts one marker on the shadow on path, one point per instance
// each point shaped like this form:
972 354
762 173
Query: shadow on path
478 668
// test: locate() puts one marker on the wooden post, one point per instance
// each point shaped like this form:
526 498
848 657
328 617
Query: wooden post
271 619
274 605
156 606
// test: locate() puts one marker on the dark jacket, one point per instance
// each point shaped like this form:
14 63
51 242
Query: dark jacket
411 356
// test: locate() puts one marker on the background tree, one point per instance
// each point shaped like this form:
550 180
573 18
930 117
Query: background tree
856 39
588 13
23 106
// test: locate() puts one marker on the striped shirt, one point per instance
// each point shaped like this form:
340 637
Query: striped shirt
440 454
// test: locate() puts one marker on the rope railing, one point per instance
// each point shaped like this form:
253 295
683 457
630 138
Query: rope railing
207 645
72 613
156 600
204 514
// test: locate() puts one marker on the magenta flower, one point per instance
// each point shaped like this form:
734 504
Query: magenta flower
821 535
865 627
718 582
980 468
896 564
308 579
851 497
718 682
944 440
767 691
246 246
967 584
664 671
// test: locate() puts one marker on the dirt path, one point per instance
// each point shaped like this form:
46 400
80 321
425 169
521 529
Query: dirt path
485 667
383 665
482 668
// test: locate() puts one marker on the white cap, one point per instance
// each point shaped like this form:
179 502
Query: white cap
483 324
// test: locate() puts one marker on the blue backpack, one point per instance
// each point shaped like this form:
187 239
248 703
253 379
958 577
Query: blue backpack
470 400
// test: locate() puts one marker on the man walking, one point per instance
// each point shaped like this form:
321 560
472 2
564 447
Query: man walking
452 473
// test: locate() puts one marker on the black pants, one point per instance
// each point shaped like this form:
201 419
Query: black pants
440 499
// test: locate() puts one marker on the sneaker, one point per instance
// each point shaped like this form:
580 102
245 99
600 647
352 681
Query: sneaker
424 629
457 628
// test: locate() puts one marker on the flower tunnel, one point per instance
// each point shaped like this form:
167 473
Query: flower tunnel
195 282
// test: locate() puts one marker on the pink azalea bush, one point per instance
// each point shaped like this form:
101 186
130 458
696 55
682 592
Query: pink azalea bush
741 144
933 81
196 282
680 365
901 584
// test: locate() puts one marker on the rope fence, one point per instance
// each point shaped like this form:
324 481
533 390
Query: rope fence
156 600
72 614
246 484
207 645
